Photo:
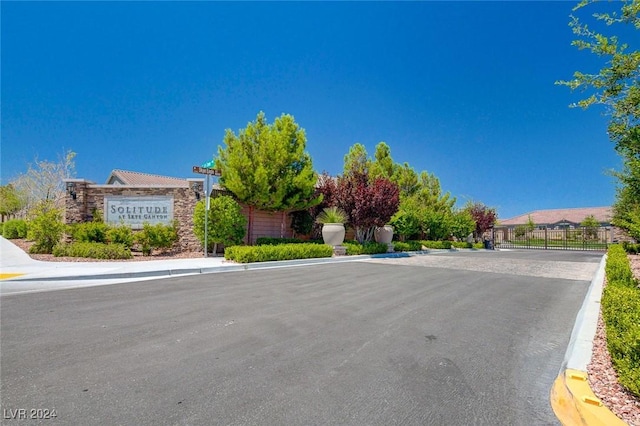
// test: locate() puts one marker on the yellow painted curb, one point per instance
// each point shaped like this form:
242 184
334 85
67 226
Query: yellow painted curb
7 276
574 403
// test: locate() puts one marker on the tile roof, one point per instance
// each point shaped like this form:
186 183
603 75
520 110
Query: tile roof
125 177
577 215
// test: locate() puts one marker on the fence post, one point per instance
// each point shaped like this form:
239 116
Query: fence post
546 244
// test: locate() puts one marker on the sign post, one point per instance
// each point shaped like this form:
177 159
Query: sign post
207 169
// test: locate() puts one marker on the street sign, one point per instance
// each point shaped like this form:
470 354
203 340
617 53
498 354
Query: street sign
207 171
208 165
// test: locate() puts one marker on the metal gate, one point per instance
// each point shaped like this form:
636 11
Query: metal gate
546 238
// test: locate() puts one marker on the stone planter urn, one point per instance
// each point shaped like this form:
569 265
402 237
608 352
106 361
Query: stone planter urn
384 234
333 234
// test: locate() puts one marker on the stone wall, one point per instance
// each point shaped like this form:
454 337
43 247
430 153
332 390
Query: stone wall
89 198
83 198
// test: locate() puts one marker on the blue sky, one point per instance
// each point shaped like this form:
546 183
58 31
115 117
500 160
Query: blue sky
461 89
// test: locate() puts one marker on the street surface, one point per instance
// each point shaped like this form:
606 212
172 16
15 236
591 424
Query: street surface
469 338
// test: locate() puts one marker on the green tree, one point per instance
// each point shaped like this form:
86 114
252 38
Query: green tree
226 224
10 201
462 224
382 166
407 179
617 87
266 165
590 225
530 225
356 161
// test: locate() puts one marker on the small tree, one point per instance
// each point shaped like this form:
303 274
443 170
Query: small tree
485 217
368 204
266 166
226 224
405 223
590 225
530 225
11 201
45 226
44 180
462 224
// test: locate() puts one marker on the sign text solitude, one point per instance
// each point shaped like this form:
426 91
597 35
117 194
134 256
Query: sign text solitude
135 211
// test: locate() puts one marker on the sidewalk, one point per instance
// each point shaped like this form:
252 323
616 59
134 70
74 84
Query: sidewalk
19 273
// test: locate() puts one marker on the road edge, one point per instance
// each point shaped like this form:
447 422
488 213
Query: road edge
571 397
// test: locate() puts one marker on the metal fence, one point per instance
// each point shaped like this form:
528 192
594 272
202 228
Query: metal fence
578 238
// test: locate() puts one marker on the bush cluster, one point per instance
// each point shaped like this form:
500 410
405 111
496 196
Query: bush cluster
264 253
15 228
94 250
462 244
121 234
631 248
410 245
355 248
45 227
437 244
89 232
157 236
621 314
617 267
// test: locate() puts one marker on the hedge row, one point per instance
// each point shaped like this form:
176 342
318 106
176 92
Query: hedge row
15 228
272 241
355 248
265 253
621 314
92 250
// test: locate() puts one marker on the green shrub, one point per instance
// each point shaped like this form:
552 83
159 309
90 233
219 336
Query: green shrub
45 228
621 314
407 245
92 250
436 244
462 244
1 228
521 231
270 241
617 266
374 248
248 254
354 248
121 234
157 236
89 232
15 228
631 248
225 222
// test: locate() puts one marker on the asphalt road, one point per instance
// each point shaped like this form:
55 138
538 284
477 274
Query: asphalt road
459 339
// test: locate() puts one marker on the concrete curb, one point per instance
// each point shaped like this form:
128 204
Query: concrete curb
204 270
571 397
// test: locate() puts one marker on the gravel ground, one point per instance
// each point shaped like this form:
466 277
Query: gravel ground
603 378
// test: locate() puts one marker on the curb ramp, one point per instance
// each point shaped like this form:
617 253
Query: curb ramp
574 403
